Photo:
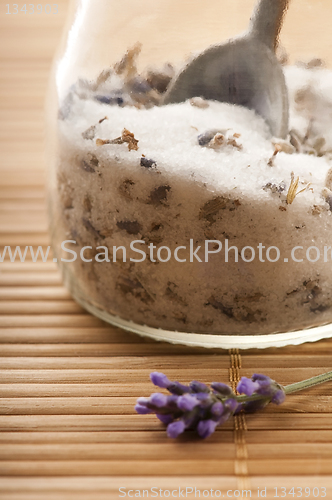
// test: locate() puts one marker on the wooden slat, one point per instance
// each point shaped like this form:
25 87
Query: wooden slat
34 307
159 436
108 335
97 375
136 389
125 405
157 467
34 293
50 320
138 361
111 423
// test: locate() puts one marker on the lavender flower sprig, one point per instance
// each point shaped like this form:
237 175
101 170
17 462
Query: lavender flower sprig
201 408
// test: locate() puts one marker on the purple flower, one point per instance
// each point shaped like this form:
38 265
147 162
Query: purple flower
143 401
142 410
172 401
263 386
202 396
165 419
196 386
253 406
230 408
160 380
175 429
158 399
187 402
191 419
261 378
201 408
247 386
217 409
177 388
279 397
222 389
231 404
206 427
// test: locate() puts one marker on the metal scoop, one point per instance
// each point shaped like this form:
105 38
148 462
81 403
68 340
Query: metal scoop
243 71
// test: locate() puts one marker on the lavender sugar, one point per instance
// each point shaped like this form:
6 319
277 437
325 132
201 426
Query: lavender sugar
199 170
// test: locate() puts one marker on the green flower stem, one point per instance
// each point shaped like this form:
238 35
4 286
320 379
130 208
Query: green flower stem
289 389
310 382
254 397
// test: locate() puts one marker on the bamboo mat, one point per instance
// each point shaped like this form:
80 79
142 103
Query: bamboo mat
68 381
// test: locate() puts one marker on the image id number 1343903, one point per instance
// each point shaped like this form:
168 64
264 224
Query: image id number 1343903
299 492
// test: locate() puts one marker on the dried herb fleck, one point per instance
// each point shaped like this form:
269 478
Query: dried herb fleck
127 66
88 225
132 227
126 137
212 207
147 163
292 190
158 195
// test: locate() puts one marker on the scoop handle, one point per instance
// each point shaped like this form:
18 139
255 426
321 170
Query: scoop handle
267 19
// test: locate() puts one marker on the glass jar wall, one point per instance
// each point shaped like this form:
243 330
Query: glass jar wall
190 190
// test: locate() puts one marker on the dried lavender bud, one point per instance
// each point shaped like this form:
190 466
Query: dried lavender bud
217 409
216 304
159 195
212 207
160 380
111 99
206 137
87 204
206 427
178 389
142 410
138 85
279 397
87 167
196 386
132 227
158 399
247 386
175 429
125 188
222 389
147 163
187 402
165 419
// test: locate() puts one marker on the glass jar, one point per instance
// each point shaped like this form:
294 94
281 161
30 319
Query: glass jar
176 215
